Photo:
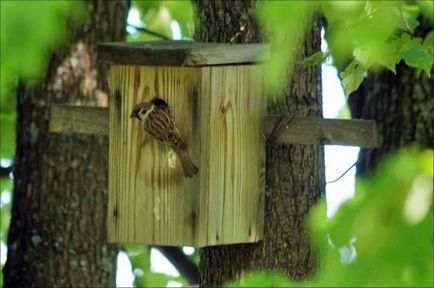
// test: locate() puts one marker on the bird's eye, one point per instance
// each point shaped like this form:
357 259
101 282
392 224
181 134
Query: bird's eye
143 112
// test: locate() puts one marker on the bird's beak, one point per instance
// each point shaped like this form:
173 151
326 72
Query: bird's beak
133 115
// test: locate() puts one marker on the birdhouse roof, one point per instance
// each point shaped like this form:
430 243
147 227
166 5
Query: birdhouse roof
181 53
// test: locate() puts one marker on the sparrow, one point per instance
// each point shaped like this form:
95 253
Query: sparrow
156 120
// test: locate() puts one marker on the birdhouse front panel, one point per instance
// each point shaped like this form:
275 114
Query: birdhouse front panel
219 111
150 201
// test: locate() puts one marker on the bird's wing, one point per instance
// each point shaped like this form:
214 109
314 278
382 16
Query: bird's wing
163 128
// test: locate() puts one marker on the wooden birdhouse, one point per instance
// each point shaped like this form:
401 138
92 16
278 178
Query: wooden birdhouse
215 96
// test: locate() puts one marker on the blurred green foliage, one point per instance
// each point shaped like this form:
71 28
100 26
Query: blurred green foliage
284 22
5 213
361 35
158 16
378 238
5 192
29 29
140 258
372 34
381 238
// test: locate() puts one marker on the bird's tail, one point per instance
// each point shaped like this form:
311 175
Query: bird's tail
187 164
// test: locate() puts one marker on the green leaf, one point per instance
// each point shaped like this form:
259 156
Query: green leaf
145 6
392 56
409 14
426 8
182 12
396 199
416 55
362 56
316 58
390 60
352 77
6 186
8 134
28 30
286 21
140 258
428 42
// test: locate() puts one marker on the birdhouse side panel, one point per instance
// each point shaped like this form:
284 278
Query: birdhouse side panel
232 190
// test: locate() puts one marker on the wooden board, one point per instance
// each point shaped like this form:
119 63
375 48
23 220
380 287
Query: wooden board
300 130
320 131
181 53
79 119
233 149
150 201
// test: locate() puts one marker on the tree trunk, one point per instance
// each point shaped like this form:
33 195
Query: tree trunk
294 173
401 104
57 235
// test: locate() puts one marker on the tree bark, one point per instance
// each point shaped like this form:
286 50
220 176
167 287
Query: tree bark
57 235
294 173
401 104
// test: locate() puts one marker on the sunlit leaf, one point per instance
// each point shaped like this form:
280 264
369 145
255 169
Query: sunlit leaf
145 6
362 56
392 56
409 14
7 132
428 42
365 25
352 77
427 8
182 12
389 250
29 29
416 55
316 58
381 238
140 258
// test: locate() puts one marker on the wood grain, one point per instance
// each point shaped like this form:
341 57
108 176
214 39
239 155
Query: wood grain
300 130
150 200
320 131
233 150
79 119
181 53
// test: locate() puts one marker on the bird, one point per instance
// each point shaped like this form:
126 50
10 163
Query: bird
156 120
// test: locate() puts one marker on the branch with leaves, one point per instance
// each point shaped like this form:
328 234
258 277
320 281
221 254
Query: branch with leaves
150 32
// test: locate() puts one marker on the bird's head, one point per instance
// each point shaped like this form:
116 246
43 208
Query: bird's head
140 110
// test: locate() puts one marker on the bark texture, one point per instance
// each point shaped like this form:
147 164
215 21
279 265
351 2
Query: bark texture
57 235
401 104
294 173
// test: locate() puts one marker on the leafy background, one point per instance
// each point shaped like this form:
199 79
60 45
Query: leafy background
381 237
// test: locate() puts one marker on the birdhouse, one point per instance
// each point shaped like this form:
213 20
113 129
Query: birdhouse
215 97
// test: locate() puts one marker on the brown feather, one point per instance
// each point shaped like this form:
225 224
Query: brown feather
158 123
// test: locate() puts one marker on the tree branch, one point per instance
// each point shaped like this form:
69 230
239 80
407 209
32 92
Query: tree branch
145 30
187 268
